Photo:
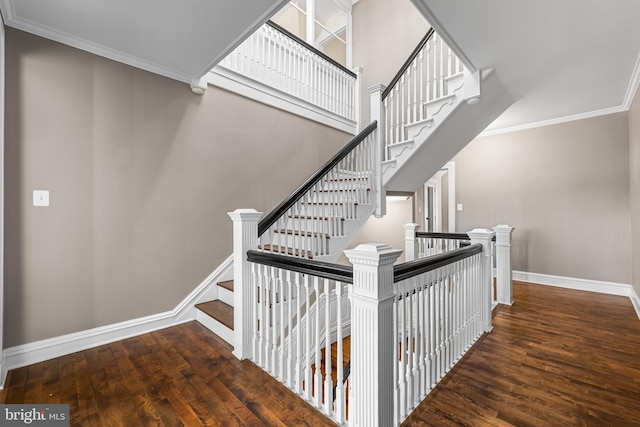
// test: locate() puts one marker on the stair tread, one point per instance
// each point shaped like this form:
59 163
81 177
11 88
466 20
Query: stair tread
219 311
227 284
285 250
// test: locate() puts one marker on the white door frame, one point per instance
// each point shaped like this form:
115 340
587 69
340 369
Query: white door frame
3 369
435 183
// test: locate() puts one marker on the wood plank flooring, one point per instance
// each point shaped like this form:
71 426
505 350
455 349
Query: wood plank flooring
555 358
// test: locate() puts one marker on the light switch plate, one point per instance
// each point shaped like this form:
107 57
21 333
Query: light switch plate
459 207
40 198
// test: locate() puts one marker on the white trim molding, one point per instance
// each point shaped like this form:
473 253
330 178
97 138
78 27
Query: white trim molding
249 88
630 94
38 351
3 368
602 287
555 121
633 85
635 300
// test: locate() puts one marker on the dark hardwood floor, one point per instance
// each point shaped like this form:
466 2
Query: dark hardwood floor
557 357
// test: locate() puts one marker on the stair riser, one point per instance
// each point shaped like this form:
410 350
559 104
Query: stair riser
216 327
360 196
317 245
225 295
322 209
331 226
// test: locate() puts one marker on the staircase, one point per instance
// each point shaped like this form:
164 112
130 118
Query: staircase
430 111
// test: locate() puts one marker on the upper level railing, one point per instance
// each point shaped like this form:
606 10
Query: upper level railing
274 57
428 75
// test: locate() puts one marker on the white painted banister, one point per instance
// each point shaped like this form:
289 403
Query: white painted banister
504 273
276 58
372 340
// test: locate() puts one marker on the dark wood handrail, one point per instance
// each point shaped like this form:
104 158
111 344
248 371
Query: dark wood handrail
327 270
408 62
282 208
450 236
311 48
413 268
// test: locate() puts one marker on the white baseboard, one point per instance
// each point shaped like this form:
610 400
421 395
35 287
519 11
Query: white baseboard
602 287
635 301
35 352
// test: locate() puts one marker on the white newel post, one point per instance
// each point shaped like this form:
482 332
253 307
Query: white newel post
372 341
377 113
504 274
245 237
484 236
410 241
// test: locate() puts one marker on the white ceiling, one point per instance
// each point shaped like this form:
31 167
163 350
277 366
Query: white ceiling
181 39
558 59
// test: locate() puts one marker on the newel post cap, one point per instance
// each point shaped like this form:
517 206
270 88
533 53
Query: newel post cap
244 214
377 88
411 226
365 253
503 228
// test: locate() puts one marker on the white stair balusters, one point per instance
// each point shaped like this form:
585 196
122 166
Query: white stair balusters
319 218
298 317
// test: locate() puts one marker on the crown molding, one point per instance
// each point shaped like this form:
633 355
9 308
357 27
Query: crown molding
557 120
11 20
632 89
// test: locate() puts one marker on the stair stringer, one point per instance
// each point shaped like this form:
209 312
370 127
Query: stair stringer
453 127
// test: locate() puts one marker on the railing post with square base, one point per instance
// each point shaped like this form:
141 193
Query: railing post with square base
484 236
410 242
371 402
504 274
245 238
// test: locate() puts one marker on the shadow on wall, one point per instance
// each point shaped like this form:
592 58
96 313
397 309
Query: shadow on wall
13 202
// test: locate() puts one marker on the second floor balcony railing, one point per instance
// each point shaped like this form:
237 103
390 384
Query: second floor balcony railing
274 57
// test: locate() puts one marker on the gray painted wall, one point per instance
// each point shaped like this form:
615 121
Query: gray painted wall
384 35
564 187
634 182
142 174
